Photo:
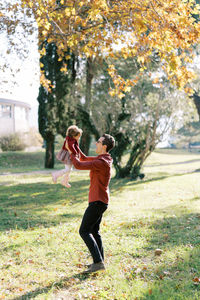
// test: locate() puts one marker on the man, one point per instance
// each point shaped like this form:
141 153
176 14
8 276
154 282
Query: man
100 174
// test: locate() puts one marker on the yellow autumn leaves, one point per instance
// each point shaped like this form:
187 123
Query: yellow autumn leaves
92 28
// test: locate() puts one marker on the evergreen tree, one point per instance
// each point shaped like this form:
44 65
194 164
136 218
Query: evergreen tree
47 107
85 124
65 95
53 113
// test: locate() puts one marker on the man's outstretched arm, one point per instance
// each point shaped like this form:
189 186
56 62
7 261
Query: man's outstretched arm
83 157
86 165
86 158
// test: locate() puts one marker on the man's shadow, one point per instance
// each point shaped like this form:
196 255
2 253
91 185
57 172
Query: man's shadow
65 283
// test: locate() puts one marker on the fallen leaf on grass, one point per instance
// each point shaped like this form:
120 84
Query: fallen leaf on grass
79 265
15 236
158 252
150 291
73 280
196 279
109 254
30 261
166 236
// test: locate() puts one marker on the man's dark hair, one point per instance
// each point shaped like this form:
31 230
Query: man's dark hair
109 141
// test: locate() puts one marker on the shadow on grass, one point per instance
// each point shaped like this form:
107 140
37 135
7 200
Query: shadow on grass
117 184
170 275
177 280
176 230
24 206
33 205
29 205
172 164
65 282
175 277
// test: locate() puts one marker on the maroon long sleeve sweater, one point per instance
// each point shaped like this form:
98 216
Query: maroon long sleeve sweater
100 174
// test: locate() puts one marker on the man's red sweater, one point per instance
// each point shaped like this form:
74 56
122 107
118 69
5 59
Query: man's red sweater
100 174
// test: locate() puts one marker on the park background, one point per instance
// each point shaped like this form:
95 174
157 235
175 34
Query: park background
151 230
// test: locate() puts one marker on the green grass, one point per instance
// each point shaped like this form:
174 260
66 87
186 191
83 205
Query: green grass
43 257
16 162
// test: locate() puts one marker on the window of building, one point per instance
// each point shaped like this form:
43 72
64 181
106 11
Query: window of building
5 111
20 113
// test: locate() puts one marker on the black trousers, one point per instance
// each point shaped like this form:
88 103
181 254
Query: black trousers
89 229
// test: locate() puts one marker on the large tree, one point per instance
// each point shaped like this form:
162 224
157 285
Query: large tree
137 122
139 28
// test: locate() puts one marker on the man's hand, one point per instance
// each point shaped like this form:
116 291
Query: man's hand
67 147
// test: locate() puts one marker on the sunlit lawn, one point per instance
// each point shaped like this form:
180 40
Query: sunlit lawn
42 255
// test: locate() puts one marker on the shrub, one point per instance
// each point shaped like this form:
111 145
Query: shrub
33 138
12 142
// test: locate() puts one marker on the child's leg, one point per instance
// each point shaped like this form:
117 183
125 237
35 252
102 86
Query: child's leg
65 180
57 174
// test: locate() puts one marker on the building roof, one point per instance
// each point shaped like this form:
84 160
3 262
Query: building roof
15 102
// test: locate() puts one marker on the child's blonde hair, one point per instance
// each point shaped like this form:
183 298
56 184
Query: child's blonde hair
73 130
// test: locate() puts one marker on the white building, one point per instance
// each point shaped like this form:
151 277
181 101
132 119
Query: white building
14 116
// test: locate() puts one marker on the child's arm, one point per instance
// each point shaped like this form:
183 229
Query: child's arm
69 145
72 148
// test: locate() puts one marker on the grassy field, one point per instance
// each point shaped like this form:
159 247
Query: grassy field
43 257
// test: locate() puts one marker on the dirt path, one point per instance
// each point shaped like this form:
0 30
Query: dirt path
27 173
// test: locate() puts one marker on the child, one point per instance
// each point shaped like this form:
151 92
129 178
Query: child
72 137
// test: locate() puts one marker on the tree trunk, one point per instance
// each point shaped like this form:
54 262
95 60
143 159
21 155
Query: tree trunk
49 155
86 136
129 170
196 99
85 141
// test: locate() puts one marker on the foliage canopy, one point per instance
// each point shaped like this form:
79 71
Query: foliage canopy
124 28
